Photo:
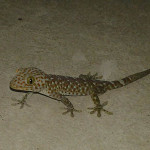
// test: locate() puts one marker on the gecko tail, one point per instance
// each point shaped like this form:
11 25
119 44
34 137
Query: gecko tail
129 79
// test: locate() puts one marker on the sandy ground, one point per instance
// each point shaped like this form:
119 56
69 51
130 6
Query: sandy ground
69 38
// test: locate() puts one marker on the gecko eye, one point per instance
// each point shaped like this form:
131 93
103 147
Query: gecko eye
30 80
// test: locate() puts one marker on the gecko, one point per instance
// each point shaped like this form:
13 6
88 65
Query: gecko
33 80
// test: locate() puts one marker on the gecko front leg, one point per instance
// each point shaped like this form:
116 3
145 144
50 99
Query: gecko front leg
70 109
22 102
69 105
99 107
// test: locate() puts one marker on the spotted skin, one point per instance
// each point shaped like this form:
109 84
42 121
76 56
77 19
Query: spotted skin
33 80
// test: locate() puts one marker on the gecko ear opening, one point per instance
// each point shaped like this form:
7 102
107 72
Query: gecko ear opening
30 80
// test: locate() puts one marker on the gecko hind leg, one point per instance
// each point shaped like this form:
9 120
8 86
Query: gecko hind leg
99 107
90 77
22 102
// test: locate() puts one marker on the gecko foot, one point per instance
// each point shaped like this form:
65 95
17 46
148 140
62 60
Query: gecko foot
100 108
21 102
71 110
90 77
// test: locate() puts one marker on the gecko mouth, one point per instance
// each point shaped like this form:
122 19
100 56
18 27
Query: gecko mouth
13 87
17 90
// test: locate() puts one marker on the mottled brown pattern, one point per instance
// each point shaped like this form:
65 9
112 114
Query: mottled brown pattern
117 84
57 87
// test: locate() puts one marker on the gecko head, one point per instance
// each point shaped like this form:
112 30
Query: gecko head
29 79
